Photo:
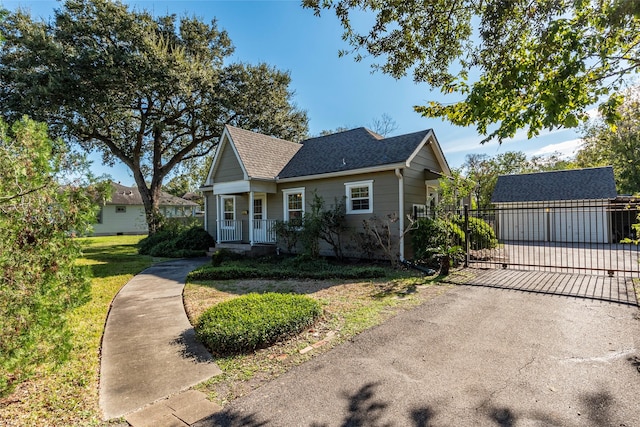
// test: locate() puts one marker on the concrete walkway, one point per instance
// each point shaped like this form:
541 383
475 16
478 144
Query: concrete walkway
149 350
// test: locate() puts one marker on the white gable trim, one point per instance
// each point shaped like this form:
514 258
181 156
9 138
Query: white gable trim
433 141
224 140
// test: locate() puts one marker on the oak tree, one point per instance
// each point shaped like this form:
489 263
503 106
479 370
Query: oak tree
150 92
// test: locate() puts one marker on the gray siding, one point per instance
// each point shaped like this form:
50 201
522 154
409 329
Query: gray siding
415 191
228 167
385 201
211 213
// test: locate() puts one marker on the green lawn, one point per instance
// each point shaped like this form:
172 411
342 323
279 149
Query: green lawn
68 395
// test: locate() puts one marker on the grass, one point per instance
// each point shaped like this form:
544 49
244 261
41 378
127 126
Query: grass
349 307
67 395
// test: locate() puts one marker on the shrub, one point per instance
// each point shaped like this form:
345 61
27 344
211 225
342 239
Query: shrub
431 234
146 245
482 235
188 243
255 321
40 281
194 238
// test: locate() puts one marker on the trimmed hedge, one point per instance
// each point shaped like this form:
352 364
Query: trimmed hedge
255 321
277 272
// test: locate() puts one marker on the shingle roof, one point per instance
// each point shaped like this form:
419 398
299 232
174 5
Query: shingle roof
573 184
262 156
354 149
123 195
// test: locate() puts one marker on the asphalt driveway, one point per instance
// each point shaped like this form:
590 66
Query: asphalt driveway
474 356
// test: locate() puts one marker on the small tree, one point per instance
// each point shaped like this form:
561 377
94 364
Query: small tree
39 279
380 229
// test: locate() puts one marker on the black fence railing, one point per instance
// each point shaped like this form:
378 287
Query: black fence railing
585 237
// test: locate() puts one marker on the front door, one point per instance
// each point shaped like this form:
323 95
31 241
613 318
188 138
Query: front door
259 214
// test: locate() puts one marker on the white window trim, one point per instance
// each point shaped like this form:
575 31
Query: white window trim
222 211
347 188
285 199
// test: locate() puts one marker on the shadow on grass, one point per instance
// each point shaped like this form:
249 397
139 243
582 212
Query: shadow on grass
114 259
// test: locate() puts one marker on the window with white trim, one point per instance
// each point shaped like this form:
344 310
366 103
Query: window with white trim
228 211
293 199
359 197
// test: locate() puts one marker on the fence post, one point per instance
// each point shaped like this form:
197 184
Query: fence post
467 243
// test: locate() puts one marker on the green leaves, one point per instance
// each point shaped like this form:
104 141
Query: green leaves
149 92
39 281
533 64
616 145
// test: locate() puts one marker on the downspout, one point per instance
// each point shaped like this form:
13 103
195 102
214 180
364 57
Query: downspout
401 211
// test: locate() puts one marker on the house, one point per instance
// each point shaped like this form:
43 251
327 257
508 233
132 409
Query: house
256 179
557 206
124 212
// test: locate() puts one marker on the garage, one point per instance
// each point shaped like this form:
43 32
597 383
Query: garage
569 206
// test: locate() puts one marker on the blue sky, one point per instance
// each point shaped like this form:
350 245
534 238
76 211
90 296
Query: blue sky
335 92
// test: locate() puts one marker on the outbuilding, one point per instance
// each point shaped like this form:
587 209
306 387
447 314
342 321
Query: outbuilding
556 206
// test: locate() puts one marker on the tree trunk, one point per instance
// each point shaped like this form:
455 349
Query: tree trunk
445 264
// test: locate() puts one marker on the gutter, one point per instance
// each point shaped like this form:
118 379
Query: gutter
372 169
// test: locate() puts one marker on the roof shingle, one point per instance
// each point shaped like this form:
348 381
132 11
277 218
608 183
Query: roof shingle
572 184
354 149
262 156
123 195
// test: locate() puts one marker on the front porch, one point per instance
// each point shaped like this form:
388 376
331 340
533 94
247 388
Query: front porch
260 231
242 219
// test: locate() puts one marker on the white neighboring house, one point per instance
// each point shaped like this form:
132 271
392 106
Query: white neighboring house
124 213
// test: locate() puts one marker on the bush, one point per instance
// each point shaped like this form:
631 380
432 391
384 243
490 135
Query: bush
255 321
482 235
146 245
432 234
171 243
195 238
40 281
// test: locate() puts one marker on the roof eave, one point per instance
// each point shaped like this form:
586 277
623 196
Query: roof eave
358 171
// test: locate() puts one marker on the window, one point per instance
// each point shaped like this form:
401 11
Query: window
228 208
359 197
293 199
99 216
121 209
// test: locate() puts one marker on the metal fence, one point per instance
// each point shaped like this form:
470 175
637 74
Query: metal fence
582 237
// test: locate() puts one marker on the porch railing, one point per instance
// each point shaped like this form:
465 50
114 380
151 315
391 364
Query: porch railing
263 231
230 230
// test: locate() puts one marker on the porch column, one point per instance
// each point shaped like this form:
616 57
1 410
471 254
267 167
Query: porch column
218 218
251 195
